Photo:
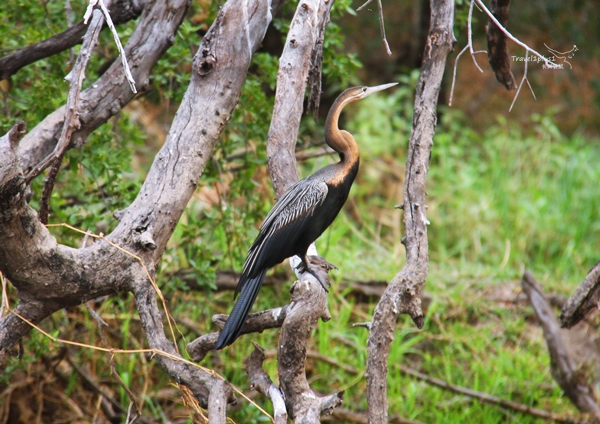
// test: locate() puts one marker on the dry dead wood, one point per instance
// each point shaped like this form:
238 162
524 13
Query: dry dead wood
563 368
403 294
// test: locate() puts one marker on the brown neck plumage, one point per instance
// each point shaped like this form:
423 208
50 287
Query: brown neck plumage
339 140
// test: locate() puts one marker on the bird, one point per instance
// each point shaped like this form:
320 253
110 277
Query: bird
300 216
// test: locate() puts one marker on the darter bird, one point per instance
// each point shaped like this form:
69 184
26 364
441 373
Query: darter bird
301 215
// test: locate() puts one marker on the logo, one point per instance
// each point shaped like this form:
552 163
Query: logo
563 56
556 60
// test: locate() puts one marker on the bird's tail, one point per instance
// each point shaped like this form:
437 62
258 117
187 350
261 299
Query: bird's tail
235 322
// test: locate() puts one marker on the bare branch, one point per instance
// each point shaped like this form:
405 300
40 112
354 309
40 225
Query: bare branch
522 81
104 98
110 24
561 364
220 391
71 119
122 10
255 323
546 61
585 298
470 35
404 291
50 276
381 24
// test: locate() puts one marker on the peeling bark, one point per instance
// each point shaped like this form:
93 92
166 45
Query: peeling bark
403 294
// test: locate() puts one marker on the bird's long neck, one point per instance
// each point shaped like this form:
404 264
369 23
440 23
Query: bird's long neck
339 140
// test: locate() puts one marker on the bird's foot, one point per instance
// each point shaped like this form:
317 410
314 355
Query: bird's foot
320 261
305 266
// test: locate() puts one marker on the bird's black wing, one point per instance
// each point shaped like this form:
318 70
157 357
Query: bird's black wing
288 219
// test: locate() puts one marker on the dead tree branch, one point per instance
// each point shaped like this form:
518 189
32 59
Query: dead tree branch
585 298
71 119
154 34
498 56
50 276
403 294
255 323
122 11
561 364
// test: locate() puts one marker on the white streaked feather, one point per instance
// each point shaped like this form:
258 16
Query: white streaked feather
300 200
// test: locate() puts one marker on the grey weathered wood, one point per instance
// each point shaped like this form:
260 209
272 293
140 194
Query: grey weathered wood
50 276
403 294
562 365
255 323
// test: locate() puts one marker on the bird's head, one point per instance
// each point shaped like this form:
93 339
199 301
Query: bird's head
356 93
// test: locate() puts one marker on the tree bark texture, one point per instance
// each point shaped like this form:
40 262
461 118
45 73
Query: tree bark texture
121 11
403 294
154 34
50 276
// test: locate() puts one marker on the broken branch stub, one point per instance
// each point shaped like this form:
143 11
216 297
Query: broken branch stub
498 56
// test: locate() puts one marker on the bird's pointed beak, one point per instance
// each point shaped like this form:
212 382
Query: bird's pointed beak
371 90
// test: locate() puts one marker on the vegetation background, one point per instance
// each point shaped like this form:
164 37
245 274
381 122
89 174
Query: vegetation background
507 192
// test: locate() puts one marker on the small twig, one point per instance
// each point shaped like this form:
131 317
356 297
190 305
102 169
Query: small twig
381 24
110 24
71 121
70 15
111 360
455 66
487 398
470 35
522 81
